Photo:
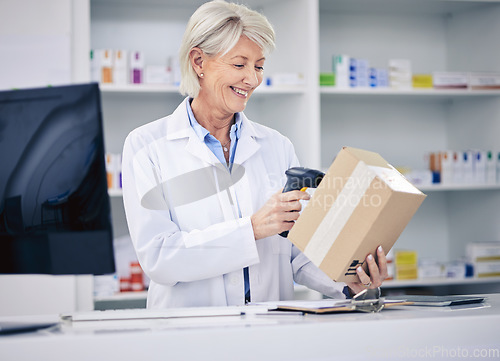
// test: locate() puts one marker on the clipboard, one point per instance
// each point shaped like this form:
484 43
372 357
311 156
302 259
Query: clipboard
367 306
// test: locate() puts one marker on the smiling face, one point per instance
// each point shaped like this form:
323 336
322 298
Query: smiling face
228 81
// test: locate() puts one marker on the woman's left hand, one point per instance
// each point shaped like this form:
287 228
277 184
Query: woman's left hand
378 273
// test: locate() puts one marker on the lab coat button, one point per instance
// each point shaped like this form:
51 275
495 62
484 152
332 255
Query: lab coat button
234 280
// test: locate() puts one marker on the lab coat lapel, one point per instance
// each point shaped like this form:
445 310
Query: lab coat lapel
200 150
247 144
178 127
246 156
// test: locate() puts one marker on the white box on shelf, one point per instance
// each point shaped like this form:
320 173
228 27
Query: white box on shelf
341 64
419 178
120 67
458 169
400 75
484 81
490 168
447 167
487 269
468 167
479 160
286 79
450 80
95 65
158 74
429 268
483 251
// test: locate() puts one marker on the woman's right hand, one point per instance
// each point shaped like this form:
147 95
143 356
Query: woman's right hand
278 214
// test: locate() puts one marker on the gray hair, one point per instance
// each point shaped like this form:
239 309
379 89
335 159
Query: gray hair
215 27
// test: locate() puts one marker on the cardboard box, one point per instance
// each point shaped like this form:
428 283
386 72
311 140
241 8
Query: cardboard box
361 203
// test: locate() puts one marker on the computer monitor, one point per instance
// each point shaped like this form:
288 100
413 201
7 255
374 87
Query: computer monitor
55 213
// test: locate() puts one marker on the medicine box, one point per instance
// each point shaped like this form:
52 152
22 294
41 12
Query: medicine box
327 79
487 269
406 264
485 258
484 81
105 63
341 68
361 203
483 251
136 67
400 74
450 80
280 79
158 74
378 78
120 67
422 81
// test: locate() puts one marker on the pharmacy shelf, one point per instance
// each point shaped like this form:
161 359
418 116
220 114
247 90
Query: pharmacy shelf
445 93
458 187
399 124
397 7
438 282
172 89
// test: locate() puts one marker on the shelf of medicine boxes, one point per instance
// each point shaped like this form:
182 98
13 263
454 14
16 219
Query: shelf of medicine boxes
172 89
458 187
417 92
289 89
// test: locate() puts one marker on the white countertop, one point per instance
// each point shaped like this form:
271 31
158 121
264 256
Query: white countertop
398 333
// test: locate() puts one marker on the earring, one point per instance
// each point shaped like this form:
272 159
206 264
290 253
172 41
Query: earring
201 75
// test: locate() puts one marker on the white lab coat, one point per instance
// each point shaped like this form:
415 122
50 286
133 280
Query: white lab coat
182 210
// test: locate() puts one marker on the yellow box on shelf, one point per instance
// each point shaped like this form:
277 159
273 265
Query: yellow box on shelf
406 265
405 258
422 81
406 272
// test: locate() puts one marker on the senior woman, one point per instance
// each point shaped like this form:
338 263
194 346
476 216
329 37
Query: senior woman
202 186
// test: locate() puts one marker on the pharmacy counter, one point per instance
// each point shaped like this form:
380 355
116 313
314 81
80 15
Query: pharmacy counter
399 333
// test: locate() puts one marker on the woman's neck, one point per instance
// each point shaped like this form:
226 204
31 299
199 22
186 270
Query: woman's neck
218 125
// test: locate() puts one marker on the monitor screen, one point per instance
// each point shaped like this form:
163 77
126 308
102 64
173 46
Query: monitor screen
54 206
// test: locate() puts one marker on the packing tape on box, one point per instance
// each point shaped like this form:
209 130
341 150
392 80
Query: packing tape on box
340 212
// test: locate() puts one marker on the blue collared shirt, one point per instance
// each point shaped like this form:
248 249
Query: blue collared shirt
212 143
